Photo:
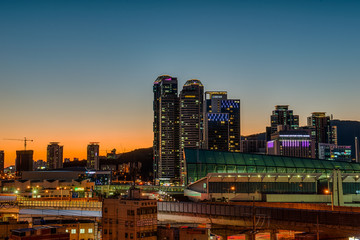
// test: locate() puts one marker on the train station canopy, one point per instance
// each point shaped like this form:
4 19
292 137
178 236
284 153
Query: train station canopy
201 162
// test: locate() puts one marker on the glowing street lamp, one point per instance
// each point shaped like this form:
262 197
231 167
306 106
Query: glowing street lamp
327 191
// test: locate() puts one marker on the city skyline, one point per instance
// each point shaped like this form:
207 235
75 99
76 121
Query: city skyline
87 77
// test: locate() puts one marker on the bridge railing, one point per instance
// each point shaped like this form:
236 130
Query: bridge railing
59 204
351 219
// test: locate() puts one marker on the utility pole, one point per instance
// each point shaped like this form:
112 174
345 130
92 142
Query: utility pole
253 236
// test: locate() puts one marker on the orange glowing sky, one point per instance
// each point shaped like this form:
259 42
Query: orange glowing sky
76 72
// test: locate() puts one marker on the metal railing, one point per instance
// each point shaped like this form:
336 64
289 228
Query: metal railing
351 219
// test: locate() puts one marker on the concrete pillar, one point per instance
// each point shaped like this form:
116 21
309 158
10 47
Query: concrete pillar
335 188
248 236
340 188
273 235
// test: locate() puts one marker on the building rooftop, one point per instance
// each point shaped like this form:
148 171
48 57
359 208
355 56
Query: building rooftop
201 162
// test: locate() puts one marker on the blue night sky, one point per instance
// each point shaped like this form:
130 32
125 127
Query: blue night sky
81 71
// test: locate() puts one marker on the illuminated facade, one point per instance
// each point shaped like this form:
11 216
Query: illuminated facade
93 151
191 117
166 129
54 155
232 108
222 122
321 122
334 152
292 143
201 162
217 131
323 130
284 117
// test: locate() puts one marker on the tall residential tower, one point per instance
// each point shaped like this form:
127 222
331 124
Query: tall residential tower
93 151
54 155
283 116
166 129
191 118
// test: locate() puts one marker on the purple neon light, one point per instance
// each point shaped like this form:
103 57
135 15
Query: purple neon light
270 144
168 79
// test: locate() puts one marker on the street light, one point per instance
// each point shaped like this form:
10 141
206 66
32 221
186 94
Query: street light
327 191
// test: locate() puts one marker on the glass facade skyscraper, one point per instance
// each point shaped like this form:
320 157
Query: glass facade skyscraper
191 118
222 122
166 129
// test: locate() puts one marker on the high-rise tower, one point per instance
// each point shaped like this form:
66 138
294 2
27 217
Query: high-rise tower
191 117
323 130
222 122
54 155
166 129
285 117
93 150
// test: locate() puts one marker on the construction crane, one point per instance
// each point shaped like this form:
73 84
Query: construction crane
25 140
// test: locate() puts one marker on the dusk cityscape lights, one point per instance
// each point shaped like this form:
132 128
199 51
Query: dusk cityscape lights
179 120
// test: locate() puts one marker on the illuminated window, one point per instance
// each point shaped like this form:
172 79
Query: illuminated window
73 231
82 230
90 230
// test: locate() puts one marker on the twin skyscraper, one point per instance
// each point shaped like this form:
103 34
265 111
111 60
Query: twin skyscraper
194 119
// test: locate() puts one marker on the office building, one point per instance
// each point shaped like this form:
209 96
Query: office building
217 131
93 155
2 160
334 152
292 143
54 155
283 116
232 108
191 117
24 161
222 122
166 130
129 218
323 130
321 123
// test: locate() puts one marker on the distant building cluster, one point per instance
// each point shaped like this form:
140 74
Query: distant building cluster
198 119
318 139
190 120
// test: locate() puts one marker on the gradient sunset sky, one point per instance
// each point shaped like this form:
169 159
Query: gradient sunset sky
82 71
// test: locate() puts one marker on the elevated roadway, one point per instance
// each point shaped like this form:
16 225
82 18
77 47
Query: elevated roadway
234 218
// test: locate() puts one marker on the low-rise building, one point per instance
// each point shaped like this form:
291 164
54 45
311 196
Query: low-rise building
129 218
12 224
42 232
78 229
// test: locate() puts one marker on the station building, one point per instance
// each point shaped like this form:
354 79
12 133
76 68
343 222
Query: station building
221 176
